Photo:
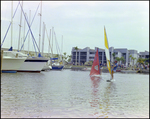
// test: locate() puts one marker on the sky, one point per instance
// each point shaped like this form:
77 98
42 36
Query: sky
78 23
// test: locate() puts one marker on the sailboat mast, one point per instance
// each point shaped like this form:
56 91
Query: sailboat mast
24 31
40 26
52 39
62 48
20 28
49 42
29 33
43 37
11 22
62 45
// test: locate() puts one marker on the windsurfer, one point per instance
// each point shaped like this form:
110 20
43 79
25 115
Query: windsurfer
114 67
101 67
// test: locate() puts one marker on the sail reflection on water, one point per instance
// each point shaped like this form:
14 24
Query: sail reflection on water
106 103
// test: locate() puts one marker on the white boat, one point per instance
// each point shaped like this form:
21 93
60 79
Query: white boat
12 61
33 64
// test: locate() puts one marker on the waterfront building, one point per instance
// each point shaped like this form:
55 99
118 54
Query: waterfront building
87 54
144 55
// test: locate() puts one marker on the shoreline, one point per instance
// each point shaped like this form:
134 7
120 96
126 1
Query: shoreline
105 70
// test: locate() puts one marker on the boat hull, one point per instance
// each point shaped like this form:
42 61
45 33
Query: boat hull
11 65
33 65
57 67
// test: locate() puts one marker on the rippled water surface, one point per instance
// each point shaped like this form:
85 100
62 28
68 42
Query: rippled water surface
69 93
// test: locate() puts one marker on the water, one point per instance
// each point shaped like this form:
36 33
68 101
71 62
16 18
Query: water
69 93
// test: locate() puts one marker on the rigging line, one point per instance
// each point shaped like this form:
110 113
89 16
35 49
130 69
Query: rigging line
20 29
34 45
30 26
58 47
9 25
56 43
48 39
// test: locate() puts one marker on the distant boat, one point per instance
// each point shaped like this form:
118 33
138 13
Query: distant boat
12 61
95 70
107 53
56 65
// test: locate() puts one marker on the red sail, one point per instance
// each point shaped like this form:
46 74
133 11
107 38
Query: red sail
95 70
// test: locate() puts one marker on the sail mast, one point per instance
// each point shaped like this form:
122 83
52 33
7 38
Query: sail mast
52 39
11 22
43 37
62 49
29 33
62 46
20 28
49 42
24 30
40 26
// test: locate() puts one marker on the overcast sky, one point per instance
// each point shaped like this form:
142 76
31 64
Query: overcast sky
82 24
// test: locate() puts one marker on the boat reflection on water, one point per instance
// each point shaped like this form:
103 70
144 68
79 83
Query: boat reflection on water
106 104
95 84
101 98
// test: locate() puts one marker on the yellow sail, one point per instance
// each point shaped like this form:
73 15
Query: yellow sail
107 51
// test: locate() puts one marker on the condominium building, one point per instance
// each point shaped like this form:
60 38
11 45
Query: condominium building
87 54
144 55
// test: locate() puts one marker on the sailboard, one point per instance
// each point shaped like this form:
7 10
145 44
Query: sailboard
107 53
95 70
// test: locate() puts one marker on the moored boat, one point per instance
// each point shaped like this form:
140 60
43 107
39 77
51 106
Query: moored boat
12 61
57 66
33 64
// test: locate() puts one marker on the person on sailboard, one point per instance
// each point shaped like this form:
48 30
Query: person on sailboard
101 67
114 67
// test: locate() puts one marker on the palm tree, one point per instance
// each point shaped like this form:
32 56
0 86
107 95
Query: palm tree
76 48
64 56
122 59
118 59
69 58
133 58
130 57
141 61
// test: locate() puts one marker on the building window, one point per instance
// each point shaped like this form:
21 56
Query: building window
100 53
91 57
83 53
92 52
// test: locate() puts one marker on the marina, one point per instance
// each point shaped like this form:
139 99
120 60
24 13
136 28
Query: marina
68 93
49 68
